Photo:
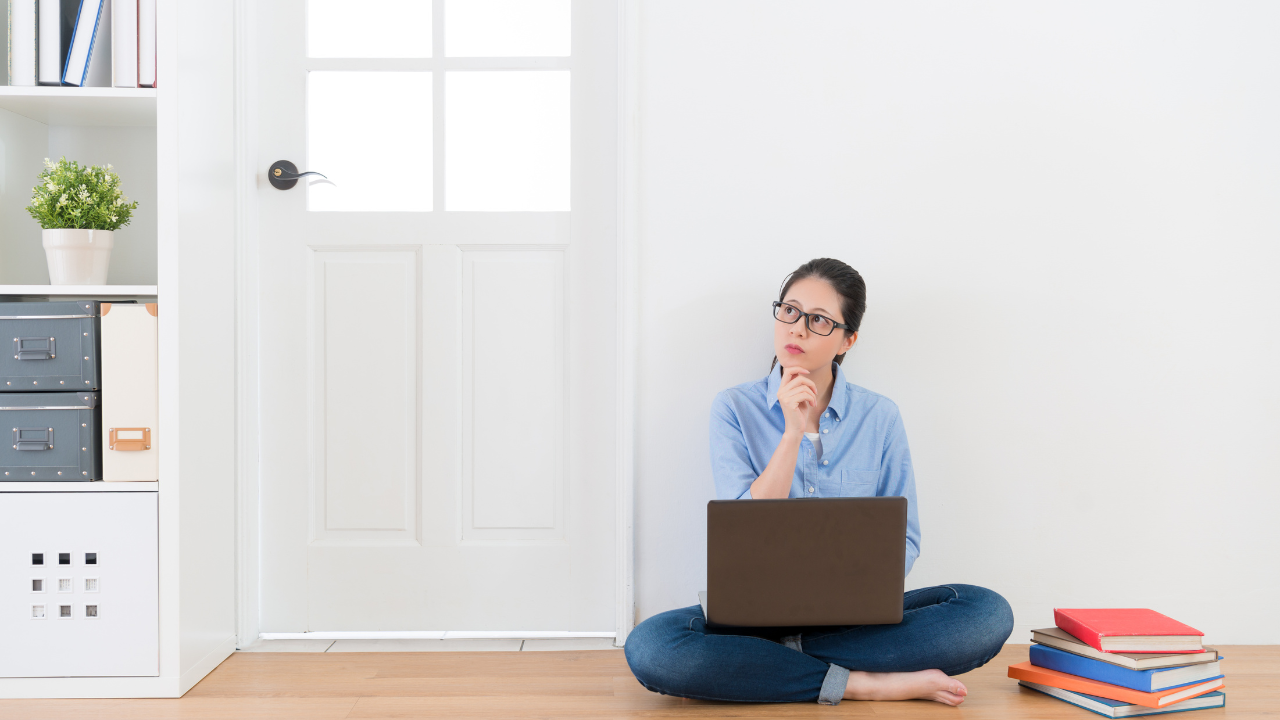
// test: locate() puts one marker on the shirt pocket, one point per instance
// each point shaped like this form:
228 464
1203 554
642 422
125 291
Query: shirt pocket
859 483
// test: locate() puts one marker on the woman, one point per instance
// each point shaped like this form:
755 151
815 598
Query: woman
805 431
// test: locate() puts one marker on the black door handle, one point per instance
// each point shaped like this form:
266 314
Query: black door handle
284 174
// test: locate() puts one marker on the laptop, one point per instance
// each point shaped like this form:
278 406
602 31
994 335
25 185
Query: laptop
805 561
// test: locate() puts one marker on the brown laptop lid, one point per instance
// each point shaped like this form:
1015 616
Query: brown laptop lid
800 561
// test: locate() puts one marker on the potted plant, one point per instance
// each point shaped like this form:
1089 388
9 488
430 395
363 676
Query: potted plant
79 209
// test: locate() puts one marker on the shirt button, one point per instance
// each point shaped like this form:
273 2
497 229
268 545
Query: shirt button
810 489
824 429
826 414
824 462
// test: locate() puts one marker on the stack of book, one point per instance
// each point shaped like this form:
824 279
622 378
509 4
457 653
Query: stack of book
85 43
1123 662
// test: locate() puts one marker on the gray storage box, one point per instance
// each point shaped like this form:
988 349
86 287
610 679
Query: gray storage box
54 345
53 437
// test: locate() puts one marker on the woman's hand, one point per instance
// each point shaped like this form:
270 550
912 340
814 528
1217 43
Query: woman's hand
798 397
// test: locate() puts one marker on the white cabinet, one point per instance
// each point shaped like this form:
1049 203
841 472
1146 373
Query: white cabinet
174 147
78 595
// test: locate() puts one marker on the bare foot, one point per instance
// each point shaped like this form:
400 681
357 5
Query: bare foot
923 685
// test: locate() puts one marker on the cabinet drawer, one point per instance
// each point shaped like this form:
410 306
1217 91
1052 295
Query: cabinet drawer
52 346
79 596
51 437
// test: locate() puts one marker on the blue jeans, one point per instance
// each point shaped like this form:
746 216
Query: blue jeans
954 628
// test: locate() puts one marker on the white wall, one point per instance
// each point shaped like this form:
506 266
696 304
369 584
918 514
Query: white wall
23 148
1067 218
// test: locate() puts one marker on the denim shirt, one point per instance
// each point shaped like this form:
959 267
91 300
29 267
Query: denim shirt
864 447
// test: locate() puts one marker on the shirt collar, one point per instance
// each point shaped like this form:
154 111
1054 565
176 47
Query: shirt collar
839 390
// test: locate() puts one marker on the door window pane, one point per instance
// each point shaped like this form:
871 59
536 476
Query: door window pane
369 29
506 28
370 134
507 140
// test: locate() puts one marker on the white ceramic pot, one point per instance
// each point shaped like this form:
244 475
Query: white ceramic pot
77 256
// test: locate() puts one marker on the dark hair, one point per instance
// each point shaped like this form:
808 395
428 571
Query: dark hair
847 283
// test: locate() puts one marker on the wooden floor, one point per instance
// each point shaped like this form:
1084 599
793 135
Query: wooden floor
571 684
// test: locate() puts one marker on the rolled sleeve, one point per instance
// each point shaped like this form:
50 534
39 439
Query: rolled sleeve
730 460
898 479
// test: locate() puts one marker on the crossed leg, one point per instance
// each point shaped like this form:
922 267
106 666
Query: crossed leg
946 630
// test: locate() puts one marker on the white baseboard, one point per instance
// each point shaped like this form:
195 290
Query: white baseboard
206 665
433 635
88 687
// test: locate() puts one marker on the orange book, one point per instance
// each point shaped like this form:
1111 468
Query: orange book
1075 683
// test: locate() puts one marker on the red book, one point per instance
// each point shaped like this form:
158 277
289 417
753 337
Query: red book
1128 630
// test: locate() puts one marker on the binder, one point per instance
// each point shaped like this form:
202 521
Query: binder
130 393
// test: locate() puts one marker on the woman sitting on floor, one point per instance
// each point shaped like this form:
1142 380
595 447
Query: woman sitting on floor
789 435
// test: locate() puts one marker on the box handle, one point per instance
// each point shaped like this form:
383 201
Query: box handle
29 439
31 348
115 442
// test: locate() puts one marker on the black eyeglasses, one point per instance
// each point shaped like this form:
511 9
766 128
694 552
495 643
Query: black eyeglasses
817 324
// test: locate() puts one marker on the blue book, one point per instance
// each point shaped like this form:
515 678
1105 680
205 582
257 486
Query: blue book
1141 680
88 62
1107 707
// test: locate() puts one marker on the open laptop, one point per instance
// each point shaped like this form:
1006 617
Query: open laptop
801 562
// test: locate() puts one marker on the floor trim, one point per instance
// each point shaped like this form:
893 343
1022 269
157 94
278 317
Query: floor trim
206 664
432 635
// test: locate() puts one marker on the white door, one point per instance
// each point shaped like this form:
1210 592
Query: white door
437 319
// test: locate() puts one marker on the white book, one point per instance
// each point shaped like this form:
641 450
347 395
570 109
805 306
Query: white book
1058 638
51 49
57 20
146 43
1120 709
124 43
88 61
22 42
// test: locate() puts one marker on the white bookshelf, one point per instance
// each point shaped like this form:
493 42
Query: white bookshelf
181 256
111 107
